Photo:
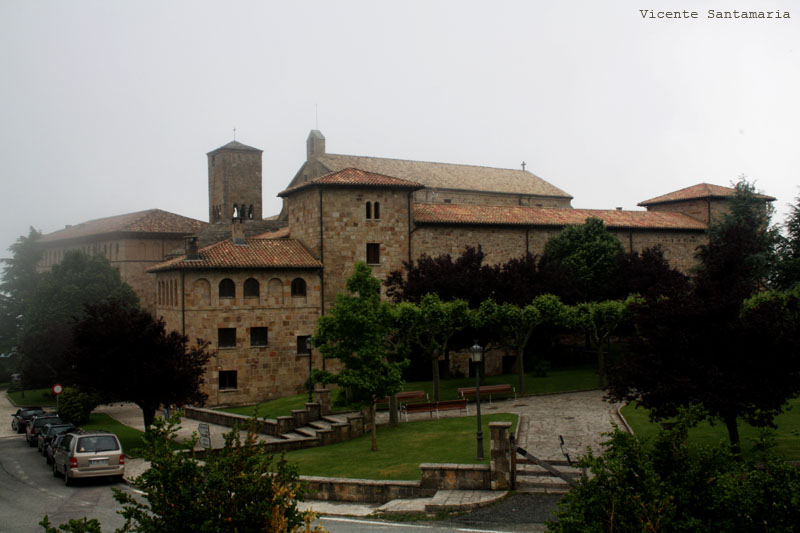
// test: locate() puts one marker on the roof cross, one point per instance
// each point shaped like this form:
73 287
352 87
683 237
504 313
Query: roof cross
523 165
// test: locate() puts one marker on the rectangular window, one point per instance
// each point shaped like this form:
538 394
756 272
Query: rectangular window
258 336
226 338
227 379
373 253
303 346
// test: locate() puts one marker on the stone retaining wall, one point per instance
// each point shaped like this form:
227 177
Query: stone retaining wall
448 476
362 490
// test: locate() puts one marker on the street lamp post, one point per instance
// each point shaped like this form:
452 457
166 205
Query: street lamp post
477 356
310 381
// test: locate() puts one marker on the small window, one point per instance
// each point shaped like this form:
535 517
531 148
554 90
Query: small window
373 253
226 338
258 336
376 211
369 210
227 379
304 345
227 288
251 288
298 287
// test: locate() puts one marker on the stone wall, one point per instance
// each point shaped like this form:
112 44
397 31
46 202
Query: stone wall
262 372
451 196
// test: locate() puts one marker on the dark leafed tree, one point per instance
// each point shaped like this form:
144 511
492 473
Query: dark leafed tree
587 255
701 347
788 267
59 299
648 274
465 278
122 353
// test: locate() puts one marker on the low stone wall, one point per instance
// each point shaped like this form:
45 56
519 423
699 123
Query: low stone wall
362 490
455 476
220 418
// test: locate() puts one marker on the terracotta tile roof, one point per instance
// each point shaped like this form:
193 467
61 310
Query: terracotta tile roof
254 253
448 176
150 221
556 217
354 177
696 192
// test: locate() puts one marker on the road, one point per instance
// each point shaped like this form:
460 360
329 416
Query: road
28 491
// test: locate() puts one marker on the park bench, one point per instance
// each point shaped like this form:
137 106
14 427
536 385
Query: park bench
488 390
434 407
408 395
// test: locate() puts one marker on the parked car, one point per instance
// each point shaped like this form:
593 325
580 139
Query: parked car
50 431
37 423
50 448
21 417
90 454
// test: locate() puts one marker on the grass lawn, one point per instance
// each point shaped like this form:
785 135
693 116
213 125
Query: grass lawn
565 380
571 379
787 436
130 438
42 397
401 449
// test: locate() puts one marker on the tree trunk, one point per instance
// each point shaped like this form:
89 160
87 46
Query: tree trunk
393 410
447 364
436 377
521 370
149 414
374 429
733 433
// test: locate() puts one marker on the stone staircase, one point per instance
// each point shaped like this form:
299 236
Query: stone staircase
532 478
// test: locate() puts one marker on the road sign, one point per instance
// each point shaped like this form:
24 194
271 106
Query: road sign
203 430
205 442
57 389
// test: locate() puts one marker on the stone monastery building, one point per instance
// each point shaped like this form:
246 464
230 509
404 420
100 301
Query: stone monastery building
256 287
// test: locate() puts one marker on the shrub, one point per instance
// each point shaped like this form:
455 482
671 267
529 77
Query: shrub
75 406
670 486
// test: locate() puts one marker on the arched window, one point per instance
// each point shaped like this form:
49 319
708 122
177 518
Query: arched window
298 287
369 210
376 211
251 288
227 288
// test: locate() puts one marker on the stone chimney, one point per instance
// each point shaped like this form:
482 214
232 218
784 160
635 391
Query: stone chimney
238 230
315 145
190 245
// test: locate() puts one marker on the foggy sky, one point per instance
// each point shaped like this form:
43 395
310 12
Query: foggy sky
110 107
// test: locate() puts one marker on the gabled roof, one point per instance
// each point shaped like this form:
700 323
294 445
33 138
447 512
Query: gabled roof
354 177
697 192
150 221
254 253
235 145
553 217
448 176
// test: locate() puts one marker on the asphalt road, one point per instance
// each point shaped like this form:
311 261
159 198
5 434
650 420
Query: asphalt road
28 491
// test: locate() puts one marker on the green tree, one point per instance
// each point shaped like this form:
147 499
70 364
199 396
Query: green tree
513 325
122 353
438 324
20 279
598 321
788 267
587 253
357 331
57 302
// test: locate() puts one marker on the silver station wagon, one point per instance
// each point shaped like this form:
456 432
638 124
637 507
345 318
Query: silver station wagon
92 454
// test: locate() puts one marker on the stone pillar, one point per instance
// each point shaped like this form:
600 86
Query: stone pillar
500 465
313 411
324 401
300 417
285 424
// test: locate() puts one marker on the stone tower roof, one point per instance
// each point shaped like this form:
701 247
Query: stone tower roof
235 145
140 222
697 192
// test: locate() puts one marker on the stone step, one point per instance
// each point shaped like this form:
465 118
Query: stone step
536 470
293 435
320 424
307 431
334 419
542 485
